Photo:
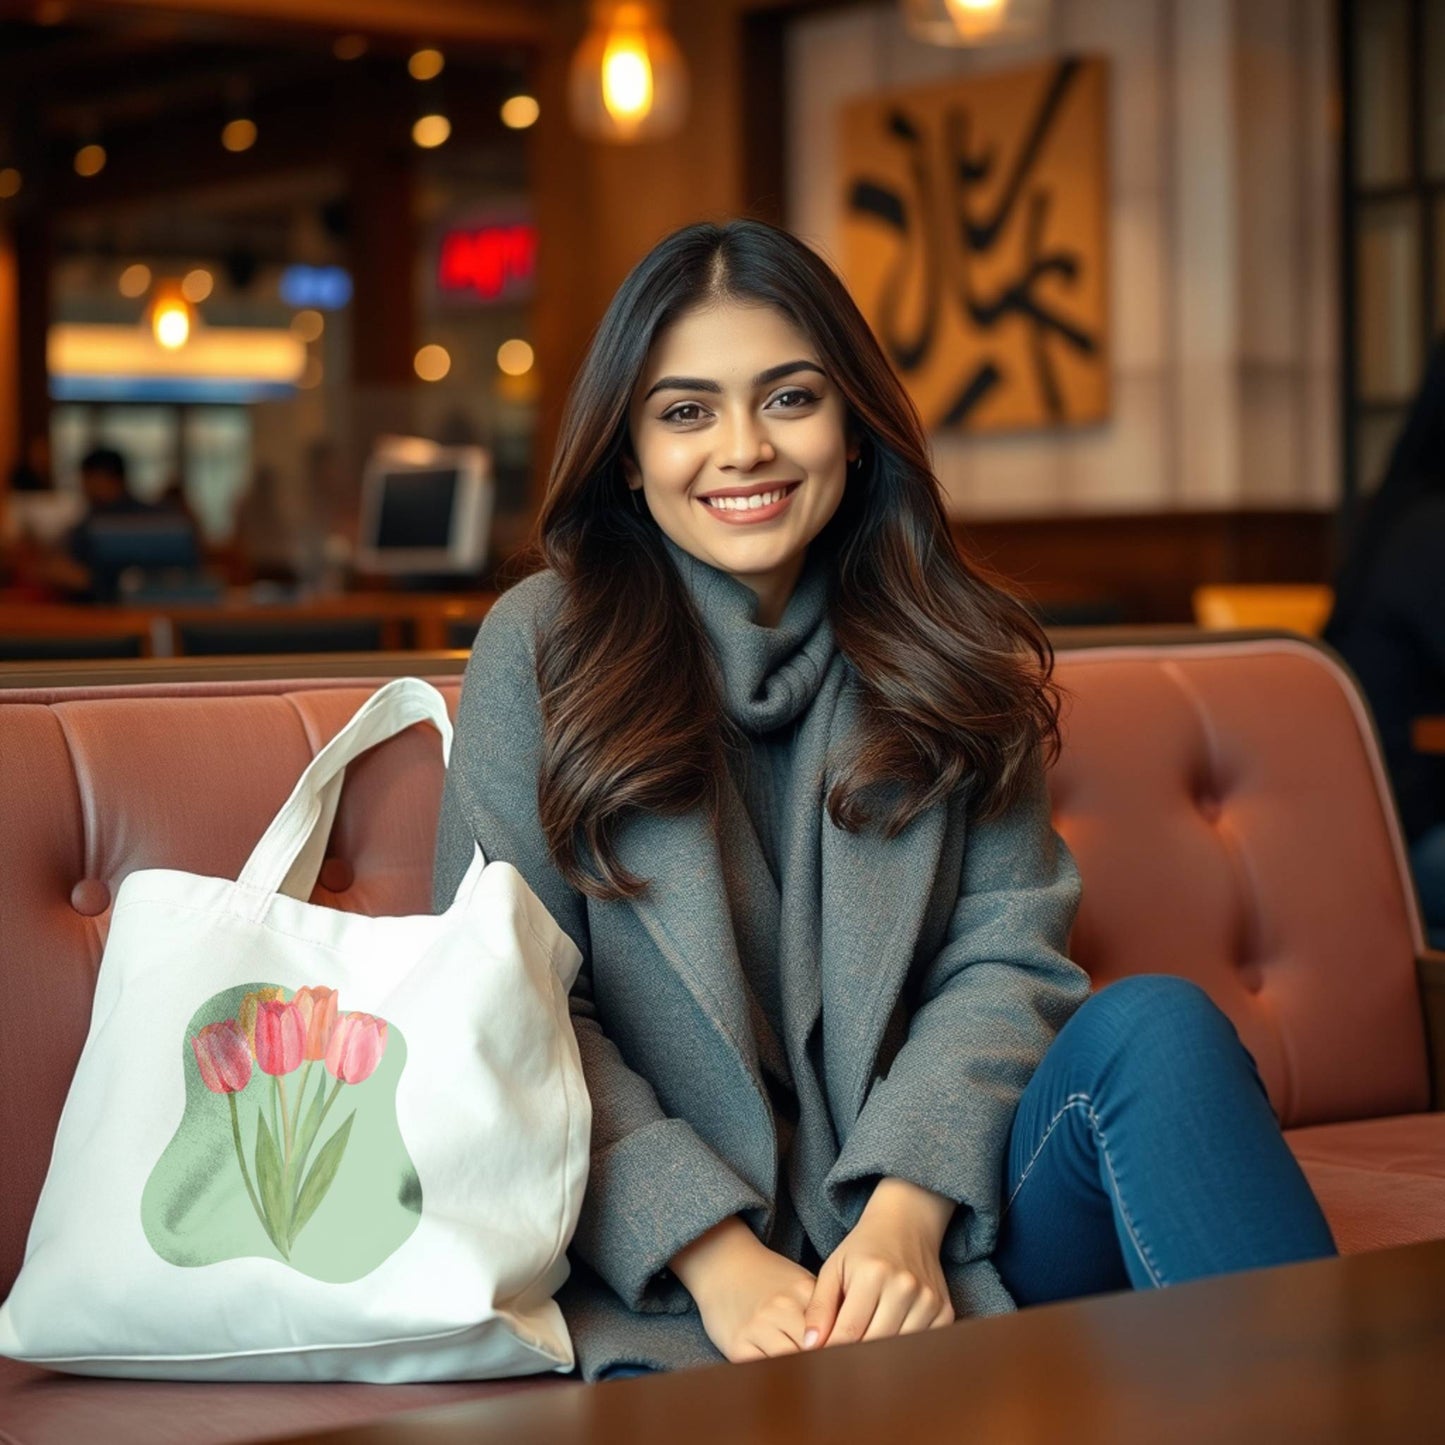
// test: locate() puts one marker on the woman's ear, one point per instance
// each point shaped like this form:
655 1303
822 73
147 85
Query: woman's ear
631 471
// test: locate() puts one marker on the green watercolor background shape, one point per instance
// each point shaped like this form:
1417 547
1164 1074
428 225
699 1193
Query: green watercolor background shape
195 1210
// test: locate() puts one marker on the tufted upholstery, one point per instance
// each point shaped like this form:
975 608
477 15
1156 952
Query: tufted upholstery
1225 805
1232 821
1224 799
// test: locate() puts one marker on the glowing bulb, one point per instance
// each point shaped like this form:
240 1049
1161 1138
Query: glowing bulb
975 22
238 135
90 160
431 131
432 363
9 182
626 78
520 111
198 285
426 64
308 324
172 324
515 357
135 280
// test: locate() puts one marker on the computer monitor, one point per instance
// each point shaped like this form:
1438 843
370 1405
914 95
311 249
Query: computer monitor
425 509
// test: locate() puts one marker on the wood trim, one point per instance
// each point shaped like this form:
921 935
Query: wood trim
1144 567
331 666
501 21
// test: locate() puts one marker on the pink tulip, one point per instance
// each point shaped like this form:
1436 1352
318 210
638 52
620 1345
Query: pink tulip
246 1014
224 1057
280 1037
318 1012
357 1044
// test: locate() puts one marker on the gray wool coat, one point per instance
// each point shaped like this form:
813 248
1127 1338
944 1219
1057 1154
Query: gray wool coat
919 981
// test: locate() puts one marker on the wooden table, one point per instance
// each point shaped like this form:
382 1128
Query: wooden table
1336 1350
406 619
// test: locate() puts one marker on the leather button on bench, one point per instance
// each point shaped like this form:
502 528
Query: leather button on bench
90 897
1210 807
336 876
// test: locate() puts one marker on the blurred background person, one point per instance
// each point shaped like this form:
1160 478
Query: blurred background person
86 573
1388 623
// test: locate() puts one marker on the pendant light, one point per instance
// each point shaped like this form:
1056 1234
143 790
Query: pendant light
170 316
975 22
628 81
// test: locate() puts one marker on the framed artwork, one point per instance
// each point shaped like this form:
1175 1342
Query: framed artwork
975 240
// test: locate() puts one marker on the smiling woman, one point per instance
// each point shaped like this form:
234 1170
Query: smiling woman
742 463
733 363
773 754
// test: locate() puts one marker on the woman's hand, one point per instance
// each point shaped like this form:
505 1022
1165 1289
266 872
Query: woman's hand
751 1299
886 1277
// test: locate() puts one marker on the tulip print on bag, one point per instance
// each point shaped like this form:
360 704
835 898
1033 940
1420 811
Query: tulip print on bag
253 1138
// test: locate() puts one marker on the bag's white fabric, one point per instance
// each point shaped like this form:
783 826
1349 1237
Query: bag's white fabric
434 1233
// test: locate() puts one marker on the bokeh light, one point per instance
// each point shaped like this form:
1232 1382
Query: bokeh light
239 134
520 111
431 131
90 160
432 363
308 324
515 357
135 280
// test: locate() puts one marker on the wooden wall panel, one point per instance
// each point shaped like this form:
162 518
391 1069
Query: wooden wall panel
1143 568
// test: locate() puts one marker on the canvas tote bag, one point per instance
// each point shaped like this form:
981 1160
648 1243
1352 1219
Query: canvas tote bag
304 1144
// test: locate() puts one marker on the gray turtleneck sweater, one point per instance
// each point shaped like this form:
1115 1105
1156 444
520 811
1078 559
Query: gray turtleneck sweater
791 1011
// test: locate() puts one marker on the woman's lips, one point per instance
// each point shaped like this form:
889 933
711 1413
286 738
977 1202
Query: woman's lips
745 516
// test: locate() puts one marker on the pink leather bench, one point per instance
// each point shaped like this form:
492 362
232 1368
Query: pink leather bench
1223 795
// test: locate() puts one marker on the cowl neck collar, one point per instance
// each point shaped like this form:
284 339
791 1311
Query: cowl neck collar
769 675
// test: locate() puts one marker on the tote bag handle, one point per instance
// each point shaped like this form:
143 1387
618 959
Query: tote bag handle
288 857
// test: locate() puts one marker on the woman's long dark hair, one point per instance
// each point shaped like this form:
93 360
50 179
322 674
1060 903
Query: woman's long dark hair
955 674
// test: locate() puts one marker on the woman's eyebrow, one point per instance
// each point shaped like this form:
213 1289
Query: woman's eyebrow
700 383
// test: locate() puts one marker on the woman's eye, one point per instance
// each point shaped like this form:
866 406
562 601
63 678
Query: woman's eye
691 408
800 394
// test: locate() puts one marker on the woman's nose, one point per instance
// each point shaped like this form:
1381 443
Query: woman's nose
744 445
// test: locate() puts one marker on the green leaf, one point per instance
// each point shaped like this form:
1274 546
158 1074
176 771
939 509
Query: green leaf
268 1180
323 1171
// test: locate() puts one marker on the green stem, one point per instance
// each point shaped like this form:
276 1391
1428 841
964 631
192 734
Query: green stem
246 1173
299 1174
275 1117
300 1095
285 1115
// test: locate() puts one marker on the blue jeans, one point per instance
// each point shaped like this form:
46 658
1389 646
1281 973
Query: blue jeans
1427 862
1145 1152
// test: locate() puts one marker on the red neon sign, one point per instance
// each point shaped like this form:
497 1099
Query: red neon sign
487 261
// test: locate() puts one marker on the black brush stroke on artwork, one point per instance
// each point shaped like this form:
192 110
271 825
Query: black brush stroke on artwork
964 170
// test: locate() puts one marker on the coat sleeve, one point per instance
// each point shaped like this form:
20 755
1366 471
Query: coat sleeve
989 1004
653 1184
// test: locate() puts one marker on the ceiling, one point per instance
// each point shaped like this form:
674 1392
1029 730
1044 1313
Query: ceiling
156 88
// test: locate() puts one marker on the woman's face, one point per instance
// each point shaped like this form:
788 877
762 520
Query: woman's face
735 403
